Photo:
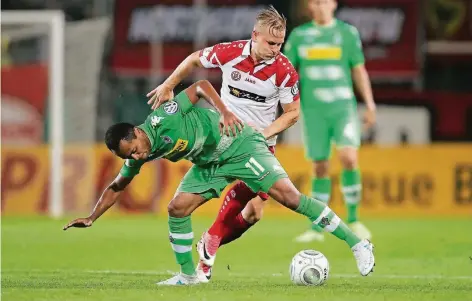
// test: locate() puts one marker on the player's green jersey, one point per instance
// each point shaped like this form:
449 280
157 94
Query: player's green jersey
324 57
178 130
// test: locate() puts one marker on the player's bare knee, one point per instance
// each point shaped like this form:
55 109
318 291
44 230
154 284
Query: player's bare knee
321 168
284 192
348 157
176 209
258 214
252 213
292 198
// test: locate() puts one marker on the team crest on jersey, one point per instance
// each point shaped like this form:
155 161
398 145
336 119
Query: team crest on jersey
337 39
167 139
171 107
294 89
235 75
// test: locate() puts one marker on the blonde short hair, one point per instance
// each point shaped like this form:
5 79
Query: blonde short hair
272 19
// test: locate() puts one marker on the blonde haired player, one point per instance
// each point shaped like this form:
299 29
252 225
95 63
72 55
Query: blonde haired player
256 78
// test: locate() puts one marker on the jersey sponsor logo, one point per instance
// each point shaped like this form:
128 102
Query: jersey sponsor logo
155 120
235 75
250 80
294 89
179 146
323 53
239 93
171 107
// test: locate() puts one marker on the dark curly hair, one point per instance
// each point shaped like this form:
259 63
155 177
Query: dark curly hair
118 132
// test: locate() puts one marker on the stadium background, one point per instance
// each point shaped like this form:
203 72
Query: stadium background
416 160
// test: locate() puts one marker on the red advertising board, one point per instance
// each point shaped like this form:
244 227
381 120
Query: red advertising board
389 33
159 34
24 93
451 113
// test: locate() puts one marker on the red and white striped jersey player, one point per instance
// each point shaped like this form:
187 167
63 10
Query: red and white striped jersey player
256 78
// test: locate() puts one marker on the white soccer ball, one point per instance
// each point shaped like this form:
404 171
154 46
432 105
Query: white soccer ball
309 267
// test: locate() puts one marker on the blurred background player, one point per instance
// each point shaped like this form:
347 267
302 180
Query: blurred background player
328 55
256 78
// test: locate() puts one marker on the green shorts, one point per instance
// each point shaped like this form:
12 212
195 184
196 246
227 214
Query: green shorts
321 128
252 162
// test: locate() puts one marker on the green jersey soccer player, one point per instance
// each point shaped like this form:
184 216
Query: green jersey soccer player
326 51
177 130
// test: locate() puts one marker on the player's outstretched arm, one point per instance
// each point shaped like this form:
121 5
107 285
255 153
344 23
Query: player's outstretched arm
288 118
204 89
164 91
108 198
363 85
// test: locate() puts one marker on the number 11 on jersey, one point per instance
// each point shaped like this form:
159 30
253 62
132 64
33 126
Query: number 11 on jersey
253 165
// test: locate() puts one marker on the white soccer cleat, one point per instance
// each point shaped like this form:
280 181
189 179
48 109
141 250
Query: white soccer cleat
180 279
203 272
360 230
207 247
364 254
309 236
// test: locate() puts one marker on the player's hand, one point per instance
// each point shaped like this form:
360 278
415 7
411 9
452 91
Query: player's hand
369 118
229 123
159 95
79 223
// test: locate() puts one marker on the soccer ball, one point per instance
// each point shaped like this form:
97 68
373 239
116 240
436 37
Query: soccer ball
309 267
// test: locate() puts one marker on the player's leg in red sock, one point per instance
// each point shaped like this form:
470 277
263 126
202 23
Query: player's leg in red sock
233 203
250 215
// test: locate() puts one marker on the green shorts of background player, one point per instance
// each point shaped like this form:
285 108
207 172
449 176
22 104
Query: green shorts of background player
328 55
222 150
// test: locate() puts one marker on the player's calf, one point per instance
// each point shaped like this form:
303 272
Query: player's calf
180 231
253 211
321 215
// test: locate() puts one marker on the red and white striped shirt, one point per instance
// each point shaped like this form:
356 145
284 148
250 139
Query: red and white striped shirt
252 91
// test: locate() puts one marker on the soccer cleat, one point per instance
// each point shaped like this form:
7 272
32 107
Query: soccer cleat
360 230
309 236
180 279
203 272
364 254
207 247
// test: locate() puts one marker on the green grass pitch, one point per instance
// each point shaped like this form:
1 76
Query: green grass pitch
121 258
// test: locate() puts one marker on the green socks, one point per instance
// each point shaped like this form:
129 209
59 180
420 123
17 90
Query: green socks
320 190
323 217
351 188
181 239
